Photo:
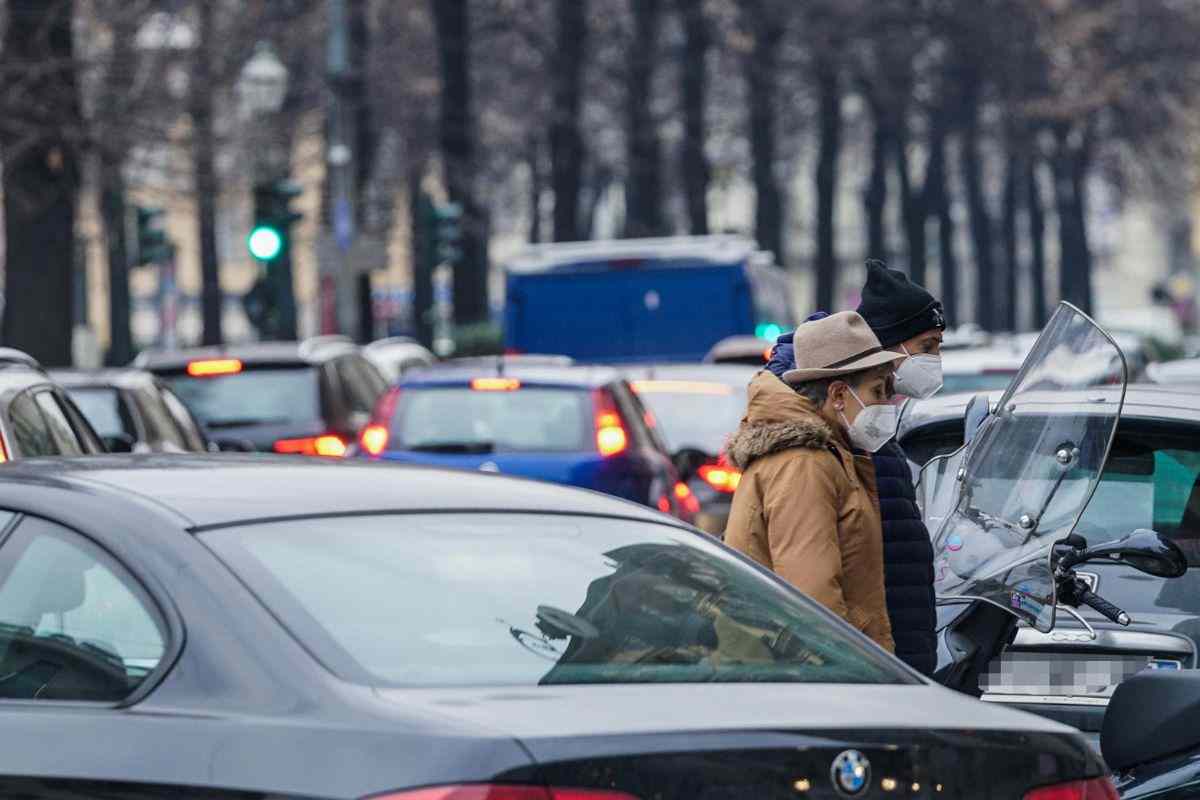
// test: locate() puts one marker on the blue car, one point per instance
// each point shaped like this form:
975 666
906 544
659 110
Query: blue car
548 420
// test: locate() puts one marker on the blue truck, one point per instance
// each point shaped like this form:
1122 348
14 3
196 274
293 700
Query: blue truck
641 300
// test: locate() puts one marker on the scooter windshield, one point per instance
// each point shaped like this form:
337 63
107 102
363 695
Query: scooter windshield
1025 479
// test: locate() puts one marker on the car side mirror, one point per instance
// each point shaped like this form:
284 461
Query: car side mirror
119 443
231 445
1146 551
688 461
977 411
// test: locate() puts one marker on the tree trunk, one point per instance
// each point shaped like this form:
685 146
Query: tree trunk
875 195
1035 207
937 201
912 209
204 177
643 194
1011 268
694 161
1070 164
979 218
420 210
114 212
457 135
829 149
762 69
566 139
536 181
41 179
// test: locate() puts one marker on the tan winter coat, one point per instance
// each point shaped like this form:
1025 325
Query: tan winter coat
807 507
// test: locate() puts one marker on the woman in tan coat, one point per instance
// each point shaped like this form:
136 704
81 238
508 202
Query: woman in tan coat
806 506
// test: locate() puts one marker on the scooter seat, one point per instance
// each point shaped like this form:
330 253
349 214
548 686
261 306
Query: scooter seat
1153 715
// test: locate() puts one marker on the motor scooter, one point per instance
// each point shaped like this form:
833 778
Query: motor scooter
1002 512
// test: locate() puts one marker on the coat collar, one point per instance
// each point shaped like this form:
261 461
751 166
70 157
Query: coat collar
778 419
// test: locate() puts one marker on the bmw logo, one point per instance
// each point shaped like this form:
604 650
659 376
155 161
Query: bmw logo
850 773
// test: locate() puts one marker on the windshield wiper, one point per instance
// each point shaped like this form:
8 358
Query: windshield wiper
473 448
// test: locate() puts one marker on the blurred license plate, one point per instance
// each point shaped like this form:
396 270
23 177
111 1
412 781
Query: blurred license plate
1023 673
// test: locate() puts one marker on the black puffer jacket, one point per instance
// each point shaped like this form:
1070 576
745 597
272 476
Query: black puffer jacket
907 562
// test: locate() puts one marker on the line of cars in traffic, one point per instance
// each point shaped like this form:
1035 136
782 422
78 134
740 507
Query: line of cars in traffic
197 603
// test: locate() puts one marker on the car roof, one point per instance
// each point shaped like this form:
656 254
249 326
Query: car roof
974 360
309 351
450 373
721 249
222 489
738 375
118 378
1142 401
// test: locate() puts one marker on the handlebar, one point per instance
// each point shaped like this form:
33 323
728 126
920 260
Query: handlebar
1089 598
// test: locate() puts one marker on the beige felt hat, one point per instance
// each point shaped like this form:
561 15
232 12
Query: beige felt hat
836 345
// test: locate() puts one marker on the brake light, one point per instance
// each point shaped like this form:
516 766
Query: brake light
611 438
720 477
374 439
493 791
3 450
686 499
495 384
767 353
664 504
214 366
328 445
1093 789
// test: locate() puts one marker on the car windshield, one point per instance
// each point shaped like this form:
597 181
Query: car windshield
460 419
693 414
257 396
102 407
524 600
976 382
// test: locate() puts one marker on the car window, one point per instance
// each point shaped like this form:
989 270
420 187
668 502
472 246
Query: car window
1151 481
184 419
74 625
527 600
258 395
31 433
693 414
465 420
105 409
60 427
159 422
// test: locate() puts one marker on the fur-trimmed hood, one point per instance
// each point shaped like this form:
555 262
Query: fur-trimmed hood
776 419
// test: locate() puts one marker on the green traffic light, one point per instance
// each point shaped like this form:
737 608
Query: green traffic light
768 330
265 243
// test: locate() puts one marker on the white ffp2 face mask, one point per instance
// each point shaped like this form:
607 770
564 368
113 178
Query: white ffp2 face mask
873 427
919 375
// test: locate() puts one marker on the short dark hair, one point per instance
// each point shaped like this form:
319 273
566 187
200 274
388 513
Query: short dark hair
818 390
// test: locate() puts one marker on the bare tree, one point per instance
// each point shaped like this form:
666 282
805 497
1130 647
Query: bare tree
644 185
40 136
693 159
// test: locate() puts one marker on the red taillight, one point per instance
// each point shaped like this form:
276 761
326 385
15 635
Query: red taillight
664 504
720 477
214 366
1093 789
374 438
327 444
686 499
3 450
483 791
611 438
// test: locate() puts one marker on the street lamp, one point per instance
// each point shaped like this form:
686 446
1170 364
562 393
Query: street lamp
263 83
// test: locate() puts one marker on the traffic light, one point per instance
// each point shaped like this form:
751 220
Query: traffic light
271 305
151 245
447 218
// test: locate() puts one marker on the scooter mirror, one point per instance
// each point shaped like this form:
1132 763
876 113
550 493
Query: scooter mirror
977 411
1144 550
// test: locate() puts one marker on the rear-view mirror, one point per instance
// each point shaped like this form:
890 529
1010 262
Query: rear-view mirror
1146 551
977 411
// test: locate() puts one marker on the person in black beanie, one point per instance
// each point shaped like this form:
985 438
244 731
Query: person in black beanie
909 320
